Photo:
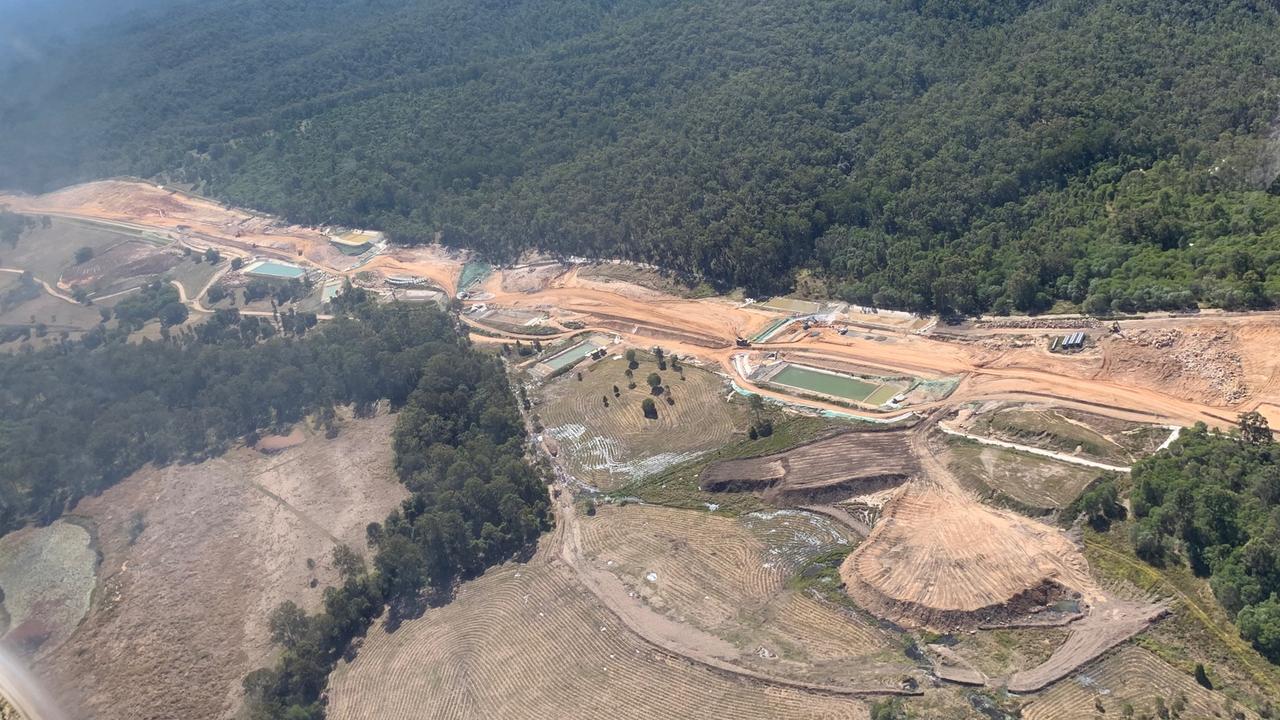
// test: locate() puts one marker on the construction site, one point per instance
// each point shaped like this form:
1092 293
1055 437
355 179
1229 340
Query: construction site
783 507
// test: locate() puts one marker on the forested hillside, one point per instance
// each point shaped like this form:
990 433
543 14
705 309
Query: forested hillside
1213 502
948 155
81 415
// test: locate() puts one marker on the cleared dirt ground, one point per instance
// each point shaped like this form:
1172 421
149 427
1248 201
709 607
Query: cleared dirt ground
629 278
1215 366
135 206
179 616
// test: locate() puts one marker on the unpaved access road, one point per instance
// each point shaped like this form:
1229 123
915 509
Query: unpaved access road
1063 457
988 373
707 328
47 287
675 638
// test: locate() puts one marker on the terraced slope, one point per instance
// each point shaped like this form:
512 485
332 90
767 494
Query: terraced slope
525 642
821 471
1131 676
937 558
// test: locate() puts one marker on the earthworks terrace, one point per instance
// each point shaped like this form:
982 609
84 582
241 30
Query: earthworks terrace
846 464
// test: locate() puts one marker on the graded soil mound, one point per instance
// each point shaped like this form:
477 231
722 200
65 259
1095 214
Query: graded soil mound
823 471
938 558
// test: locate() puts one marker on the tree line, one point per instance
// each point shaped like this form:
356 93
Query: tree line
933 155
83 414
79 415
1212 501
476 500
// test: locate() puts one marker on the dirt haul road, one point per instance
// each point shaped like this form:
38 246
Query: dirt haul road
1156 370
1004 373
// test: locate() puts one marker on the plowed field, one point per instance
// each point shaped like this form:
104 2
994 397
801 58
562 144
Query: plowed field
1131 676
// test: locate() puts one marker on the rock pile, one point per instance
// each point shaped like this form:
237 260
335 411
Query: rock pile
1208 355
1039 323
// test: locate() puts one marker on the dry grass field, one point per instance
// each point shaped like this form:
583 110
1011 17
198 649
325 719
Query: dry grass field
1029 480
1000 653
55 314
215 547
123 260
527 642
610 446
48 251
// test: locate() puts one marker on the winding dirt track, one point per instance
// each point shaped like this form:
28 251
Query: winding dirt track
677 638
47 287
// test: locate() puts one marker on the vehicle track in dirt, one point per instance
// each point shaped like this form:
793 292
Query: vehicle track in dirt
607 307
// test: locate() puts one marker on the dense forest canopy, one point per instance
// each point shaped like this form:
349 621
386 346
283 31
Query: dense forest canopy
80 415
1213 501
942 155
